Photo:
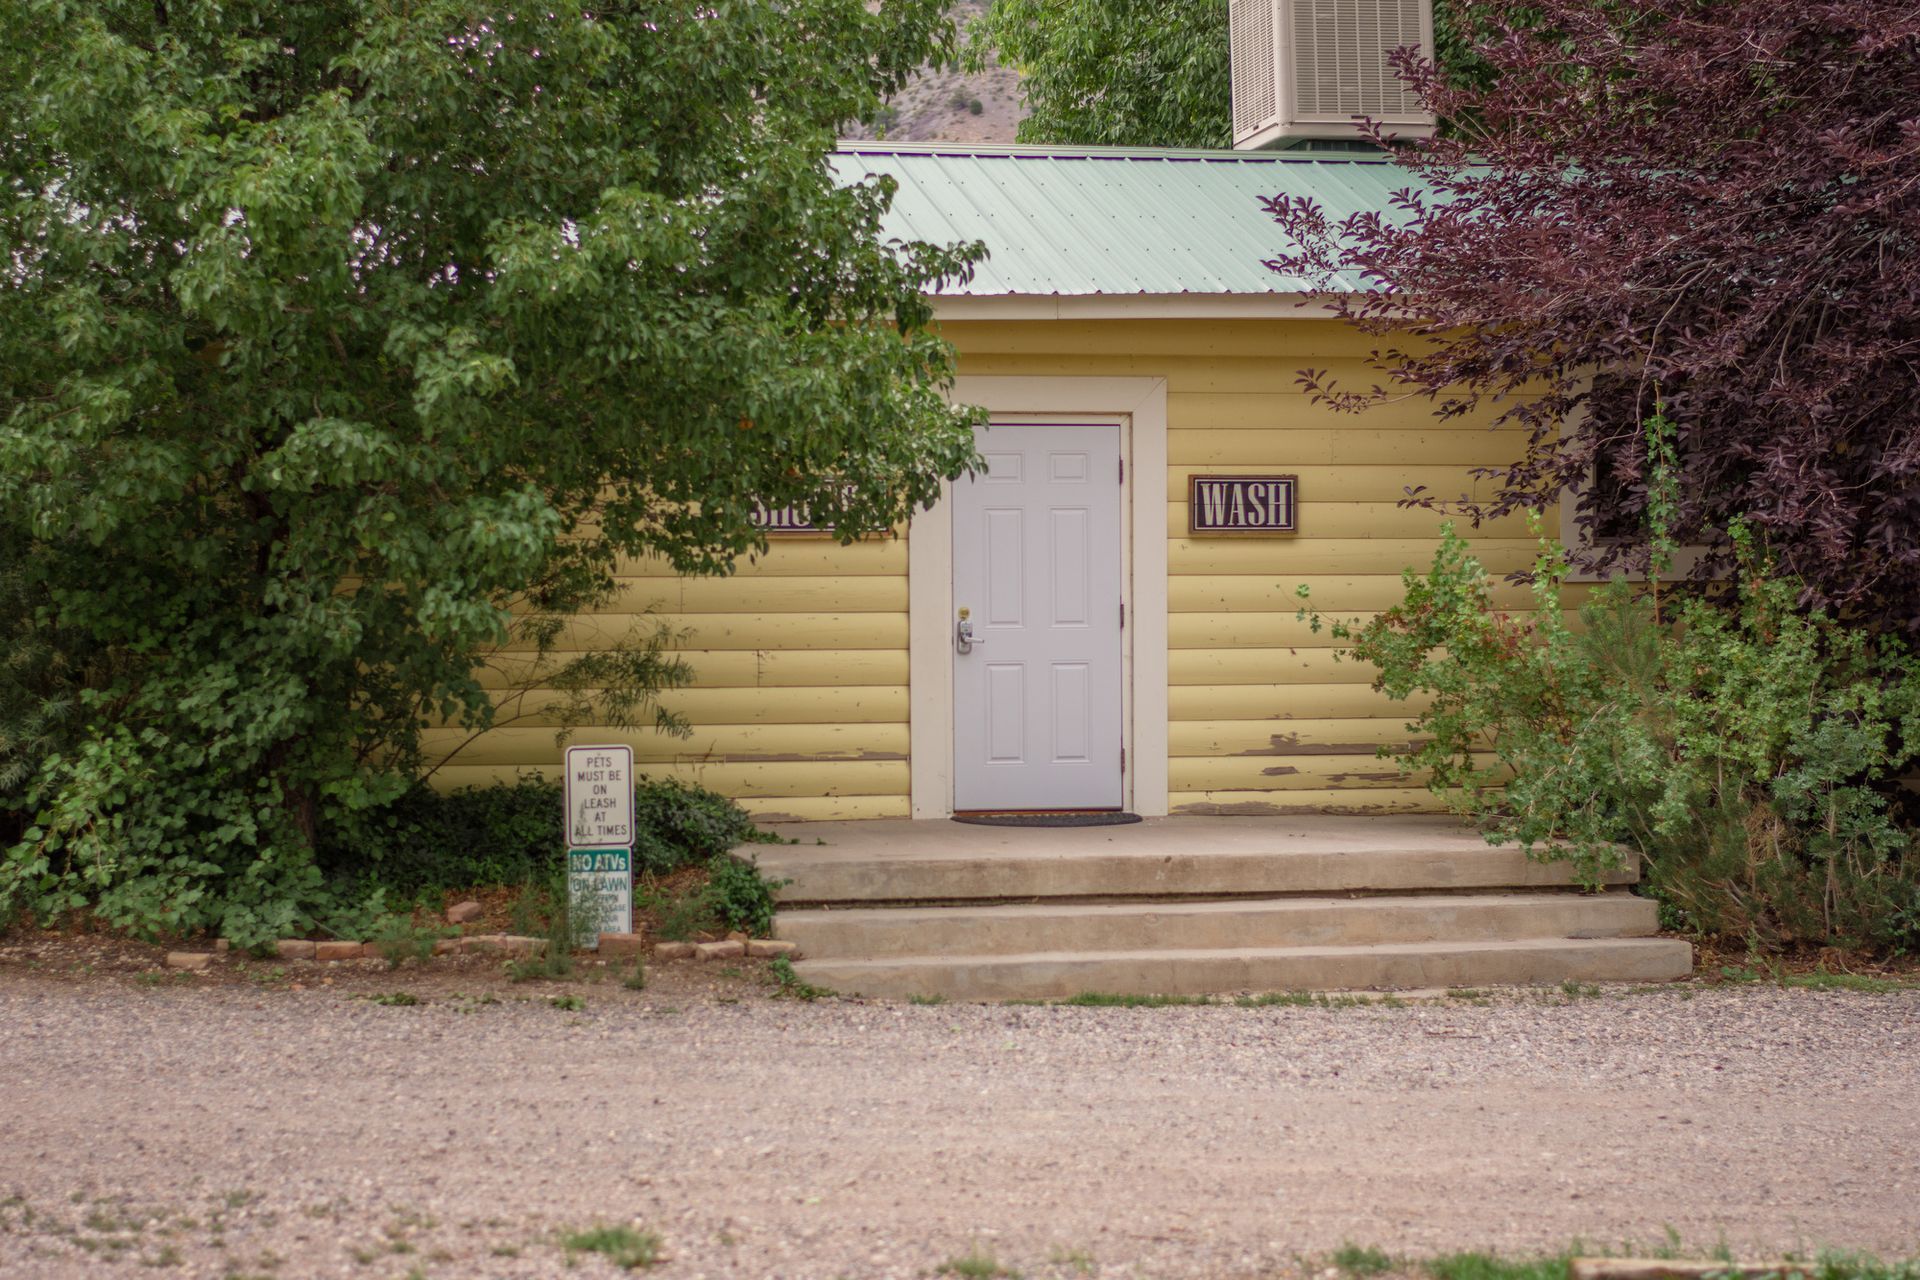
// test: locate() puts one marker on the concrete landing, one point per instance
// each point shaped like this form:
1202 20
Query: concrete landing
1195 905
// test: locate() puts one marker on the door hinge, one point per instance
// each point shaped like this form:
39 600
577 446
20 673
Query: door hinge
1123 471
1123 614
1123 759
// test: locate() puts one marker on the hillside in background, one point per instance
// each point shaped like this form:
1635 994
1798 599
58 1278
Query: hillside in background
939 105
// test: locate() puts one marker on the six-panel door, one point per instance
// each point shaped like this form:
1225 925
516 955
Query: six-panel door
1037 566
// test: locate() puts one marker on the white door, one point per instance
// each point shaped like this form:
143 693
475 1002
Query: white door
1036 579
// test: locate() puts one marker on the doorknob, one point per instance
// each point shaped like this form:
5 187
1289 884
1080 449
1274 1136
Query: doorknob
963 639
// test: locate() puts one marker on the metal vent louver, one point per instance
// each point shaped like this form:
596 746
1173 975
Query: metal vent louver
1250 30
1340 56
1311 68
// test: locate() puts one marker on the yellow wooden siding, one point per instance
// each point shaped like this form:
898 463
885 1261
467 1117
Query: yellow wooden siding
1264 717
799 698
800 702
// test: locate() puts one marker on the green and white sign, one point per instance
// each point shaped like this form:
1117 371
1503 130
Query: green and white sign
600 841
600 893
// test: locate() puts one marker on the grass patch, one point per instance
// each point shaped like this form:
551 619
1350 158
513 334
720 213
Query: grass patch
1109 1000
395 999
1818 980
1361 1260
622 1246
1318 1000
927 1000
977 1264
568 1004
1487 1266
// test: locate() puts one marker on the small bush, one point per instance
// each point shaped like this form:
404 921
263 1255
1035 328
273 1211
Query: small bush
735 896
975 107
1747 748
742 898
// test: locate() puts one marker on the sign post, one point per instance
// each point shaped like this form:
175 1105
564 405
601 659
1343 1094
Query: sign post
599 818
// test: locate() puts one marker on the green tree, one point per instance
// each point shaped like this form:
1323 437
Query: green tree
343 340
1147 73
1132 73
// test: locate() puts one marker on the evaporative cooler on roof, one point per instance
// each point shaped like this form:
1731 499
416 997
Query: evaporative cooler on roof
1316 68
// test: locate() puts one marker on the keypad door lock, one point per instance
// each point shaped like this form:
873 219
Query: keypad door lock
963 638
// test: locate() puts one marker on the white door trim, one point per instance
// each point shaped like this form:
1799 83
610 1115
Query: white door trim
1140 404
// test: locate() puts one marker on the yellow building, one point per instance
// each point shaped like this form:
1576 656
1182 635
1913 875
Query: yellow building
1106 618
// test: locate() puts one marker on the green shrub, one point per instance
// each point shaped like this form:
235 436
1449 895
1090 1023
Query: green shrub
513 833
679 825
735 896
1747 748
742 898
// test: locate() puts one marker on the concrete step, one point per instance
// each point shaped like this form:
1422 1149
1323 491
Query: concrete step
815 876
882 932
1381 966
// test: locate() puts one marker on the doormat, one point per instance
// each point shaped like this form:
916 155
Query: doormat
1047 819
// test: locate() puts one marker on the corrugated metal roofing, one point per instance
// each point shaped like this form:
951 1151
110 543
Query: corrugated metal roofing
1108 220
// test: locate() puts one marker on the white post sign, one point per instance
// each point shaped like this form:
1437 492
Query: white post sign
600 840
599 797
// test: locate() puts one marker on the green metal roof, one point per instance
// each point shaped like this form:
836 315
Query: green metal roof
1109 220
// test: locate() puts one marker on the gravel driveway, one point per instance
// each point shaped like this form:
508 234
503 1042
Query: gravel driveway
199 1128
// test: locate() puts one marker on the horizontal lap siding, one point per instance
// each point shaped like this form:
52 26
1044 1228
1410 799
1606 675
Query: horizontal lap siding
798 704
799 697
1264 716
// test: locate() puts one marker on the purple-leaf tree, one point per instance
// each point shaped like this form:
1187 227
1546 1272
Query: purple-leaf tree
1710 206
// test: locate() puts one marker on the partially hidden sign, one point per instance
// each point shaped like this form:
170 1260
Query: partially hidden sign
600 892
1243 506
599 797
792 520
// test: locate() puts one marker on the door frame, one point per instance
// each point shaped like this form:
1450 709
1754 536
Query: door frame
1138 406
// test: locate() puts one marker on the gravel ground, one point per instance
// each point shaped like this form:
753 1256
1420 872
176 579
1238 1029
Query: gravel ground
212 1127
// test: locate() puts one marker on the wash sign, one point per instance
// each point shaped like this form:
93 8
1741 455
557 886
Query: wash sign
1250 506
600 840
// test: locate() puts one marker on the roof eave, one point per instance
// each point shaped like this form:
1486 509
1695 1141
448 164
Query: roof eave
1133 306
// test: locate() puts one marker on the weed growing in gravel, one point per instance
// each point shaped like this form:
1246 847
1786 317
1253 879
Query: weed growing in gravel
1359 1260
1109 1000
978 1264
636 980
398 939
1580 990
928 1000
166 1256
622 1246
790 985
570 1004
1079 1259
396 999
